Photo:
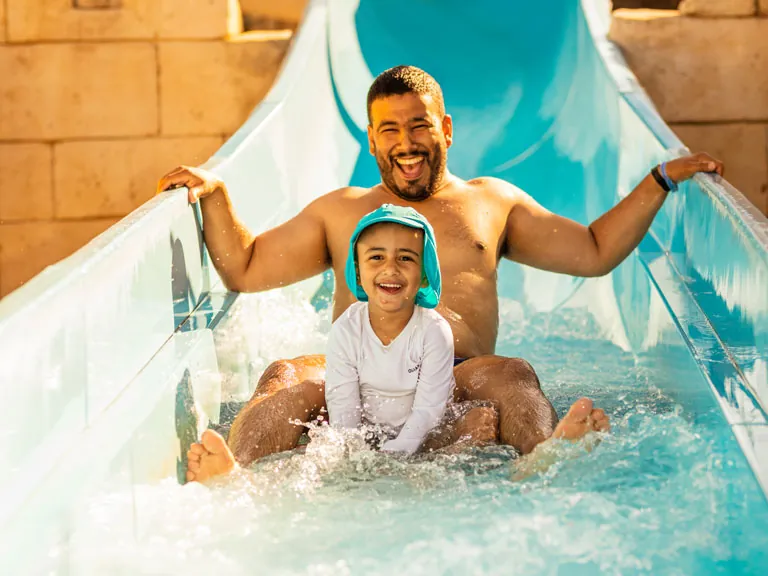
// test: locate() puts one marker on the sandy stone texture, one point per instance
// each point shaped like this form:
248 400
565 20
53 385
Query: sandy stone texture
112 178
211 88
25 182
60 91
718 7
35 20
697 69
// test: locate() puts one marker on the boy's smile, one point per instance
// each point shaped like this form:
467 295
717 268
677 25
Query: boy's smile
390 287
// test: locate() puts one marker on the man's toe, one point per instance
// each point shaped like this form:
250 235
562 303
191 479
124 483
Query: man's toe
580 410
213 442
193 465
600 421
191 476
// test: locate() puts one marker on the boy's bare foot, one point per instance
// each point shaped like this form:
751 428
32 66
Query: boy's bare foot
210 458
581 419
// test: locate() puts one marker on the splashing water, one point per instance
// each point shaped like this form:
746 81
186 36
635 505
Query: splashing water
667 492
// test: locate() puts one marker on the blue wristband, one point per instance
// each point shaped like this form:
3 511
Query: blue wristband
663 169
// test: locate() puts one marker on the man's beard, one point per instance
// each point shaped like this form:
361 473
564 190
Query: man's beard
415 192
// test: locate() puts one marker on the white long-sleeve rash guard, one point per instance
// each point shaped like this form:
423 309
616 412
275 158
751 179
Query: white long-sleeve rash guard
405 385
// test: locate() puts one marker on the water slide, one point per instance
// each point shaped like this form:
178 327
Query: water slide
113 360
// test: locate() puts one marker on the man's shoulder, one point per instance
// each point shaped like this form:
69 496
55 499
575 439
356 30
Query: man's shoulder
340 202
344 194
341 209
501 193
495 186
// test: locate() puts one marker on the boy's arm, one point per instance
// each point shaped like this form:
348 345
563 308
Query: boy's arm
433 390
342 383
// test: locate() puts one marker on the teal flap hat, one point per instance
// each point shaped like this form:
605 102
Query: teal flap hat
427 296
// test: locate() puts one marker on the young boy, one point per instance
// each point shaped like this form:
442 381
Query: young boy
390 356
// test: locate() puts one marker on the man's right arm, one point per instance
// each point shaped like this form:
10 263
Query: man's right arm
283 255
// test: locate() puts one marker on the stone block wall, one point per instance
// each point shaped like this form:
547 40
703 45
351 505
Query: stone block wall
657 4
706 69
718 8
272 13
99 98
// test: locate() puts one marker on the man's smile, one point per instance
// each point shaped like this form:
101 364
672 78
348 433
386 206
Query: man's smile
411 167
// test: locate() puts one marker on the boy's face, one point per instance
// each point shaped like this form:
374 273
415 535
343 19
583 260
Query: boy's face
389 265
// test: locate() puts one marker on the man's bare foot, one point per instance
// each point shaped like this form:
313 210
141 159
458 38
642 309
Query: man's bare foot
210 458
581 419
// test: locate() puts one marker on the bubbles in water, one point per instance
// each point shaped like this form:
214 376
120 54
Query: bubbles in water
662 494
656 494
261 328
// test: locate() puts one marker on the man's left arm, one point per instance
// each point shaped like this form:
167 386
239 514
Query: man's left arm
539 238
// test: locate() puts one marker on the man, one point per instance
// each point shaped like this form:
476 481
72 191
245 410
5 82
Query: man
476 222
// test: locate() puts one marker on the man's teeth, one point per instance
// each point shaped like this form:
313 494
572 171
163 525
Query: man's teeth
410 161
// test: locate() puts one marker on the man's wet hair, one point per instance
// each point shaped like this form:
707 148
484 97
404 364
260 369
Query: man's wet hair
404 80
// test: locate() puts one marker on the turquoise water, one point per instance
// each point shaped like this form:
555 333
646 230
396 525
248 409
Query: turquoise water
667 492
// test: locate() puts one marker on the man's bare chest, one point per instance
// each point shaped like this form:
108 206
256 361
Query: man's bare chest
465 235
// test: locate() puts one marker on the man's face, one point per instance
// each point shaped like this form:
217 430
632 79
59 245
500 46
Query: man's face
410 142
